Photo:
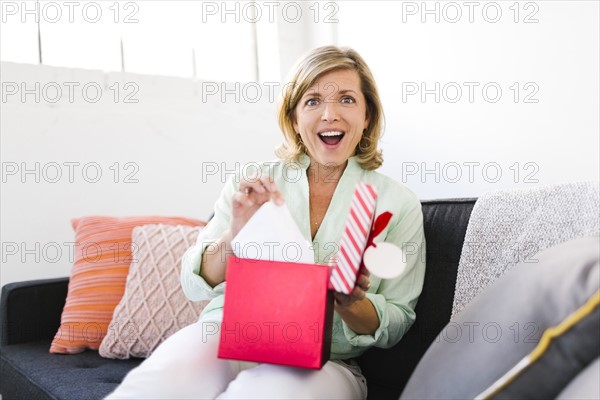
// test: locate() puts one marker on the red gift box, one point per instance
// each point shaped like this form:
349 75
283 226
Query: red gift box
277 313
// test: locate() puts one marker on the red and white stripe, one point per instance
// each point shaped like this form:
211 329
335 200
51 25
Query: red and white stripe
354 238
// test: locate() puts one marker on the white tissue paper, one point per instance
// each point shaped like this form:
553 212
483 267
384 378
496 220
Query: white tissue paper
272 234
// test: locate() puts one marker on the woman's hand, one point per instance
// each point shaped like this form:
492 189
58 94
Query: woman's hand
359 293
252 193
356 310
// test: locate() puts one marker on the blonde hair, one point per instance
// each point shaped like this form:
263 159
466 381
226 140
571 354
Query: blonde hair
308 69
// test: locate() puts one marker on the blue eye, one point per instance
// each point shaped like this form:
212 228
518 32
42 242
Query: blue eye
347 100
312 102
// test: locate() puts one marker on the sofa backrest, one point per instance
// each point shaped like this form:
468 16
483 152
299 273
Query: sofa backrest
445 223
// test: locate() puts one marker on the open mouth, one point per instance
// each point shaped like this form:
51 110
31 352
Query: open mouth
331 138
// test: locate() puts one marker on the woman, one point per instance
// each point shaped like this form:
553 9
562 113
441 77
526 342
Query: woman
331 118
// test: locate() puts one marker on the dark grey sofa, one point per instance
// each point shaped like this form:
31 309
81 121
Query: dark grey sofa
30 315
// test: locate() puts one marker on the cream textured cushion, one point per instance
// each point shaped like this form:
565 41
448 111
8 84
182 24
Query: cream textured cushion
154 305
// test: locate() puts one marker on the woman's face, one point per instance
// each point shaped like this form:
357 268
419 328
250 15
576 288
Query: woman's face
331 117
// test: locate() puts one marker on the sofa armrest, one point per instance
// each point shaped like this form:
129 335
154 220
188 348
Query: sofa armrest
31 310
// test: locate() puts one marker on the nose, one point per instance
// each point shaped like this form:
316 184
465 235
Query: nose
330 111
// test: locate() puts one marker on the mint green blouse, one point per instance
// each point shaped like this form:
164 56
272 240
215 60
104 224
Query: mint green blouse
393 299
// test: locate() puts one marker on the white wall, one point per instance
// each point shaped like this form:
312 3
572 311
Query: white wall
554 139
170 136
172 133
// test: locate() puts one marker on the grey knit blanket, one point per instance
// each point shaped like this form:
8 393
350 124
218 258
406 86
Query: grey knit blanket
511 226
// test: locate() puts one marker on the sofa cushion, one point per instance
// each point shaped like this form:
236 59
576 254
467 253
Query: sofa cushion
29 372
154 305
526 336
445 224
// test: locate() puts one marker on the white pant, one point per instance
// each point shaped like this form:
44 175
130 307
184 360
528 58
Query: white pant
186 366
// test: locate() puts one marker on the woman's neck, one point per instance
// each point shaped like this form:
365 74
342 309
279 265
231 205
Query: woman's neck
325 174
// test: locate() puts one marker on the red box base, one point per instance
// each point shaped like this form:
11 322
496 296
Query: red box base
277 313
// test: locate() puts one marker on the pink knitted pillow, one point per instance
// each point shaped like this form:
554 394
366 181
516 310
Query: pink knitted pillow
154 305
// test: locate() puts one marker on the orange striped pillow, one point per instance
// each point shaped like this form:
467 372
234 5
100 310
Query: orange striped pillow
102 258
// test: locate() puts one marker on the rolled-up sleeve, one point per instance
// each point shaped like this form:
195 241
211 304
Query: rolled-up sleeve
194 286
395 299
